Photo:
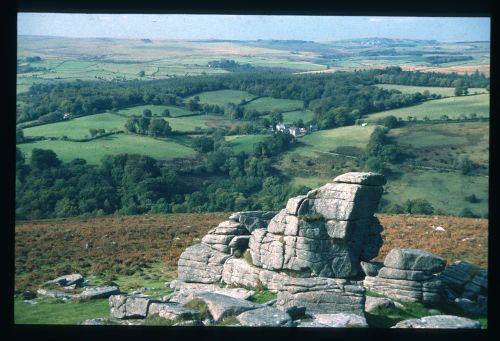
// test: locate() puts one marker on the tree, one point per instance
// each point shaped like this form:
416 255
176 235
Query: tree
275 117
147 113
44 158
464 164
159 127
93 132
142 73
389 121
165 113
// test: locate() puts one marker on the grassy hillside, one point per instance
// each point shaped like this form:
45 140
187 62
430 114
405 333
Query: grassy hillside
293 116
453 107
78 128
270 104
156 110
94 150
244 143
221 97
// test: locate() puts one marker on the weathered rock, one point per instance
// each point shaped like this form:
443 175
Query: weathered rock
202 264
321 295
440 321
413 259
100 292
375 303
253 220
329 245
221 306
54 294
265 317
67 280
410 275
371 268
184 292
239 272
341 320
171 311
123 306
70 287
470 306
368 179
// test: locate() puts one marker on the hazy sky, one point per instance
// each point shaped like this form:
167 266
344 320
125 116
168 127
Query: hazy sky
250 27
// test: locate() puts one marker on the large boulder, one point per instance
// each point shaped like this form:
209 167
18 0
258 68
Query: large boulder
265 317
67 280
171 311
321 295
341 320
220 237
124 307
201 264
99 292
325 233
221 306
413 259
440 322
375 303
238 271
466 286
184 292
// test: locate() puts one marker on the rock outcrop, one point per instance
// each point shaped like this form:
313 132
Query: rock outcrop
409 275
466 287
325 233
440 322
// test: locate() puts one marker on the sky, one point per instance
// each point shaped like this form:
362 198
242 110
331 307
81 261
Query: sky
252 27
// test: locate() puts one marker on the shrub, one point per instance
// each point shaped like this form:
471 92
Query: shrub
467 213
472 198
393 208
419 206
313 217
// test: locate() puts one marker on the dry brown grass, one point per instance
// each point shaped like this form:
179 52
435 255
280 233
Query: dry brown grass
45 249
463 238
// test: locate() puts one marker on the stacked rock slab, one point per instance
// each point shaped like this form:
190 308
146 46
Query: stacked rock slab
409 275
466 286
203 263
326 232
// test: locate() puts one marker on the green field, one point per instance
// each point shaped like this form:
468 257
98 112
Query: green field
270 104
453 107
78 128
199 122
156 110
244 143
221 97
445 191
325 141
445 92
94 150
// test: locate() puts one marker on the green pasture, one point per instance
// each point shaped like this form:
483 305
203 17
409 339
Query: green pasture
199 122
325 141
156 110
443 91
244 143
94 150
78 128
453 107
221 97
469 139
444 190
269 104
